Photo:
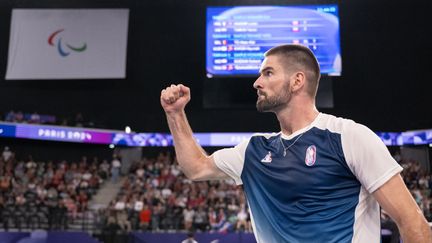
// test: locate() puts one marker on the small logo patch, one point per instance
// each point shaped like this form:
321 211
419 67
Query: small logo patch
310 155
267 158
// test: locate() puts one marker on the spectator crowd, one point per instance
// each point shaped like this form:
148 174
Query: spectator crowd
77 120
157 196
45 194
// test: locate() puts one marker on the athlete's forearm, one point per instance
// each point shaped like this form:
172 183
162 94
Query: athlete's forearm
419 232
190 154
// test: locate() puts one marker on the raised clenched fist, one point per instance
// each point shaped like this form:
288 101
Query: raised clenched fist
174 98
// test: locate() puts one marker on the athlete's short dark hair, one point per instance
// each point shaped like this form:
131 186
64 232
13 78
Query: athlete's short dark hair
299 58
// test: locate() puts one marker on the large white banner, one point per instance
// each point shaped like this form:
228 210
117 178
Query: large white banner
68 44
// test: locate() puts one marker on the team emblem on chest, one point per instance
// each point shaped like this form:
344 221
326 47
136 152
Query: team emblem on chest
310 157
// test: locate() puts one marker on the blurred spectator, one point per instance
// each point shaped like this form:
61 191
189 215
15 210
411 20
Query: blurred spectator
79 120
242 216
35 118
115 168
200 219
158 212
104 169
19 117
221 220
60 216
10 116
212 217
190 238
7 154
233 206
188 215
123 221
111 227
145 217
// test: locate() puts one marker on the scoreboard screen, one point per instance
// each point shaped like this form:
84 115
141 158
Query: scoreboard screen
238 36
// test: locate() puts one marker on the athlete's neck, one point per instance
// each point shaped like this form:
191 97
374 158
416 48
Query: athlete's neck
296 116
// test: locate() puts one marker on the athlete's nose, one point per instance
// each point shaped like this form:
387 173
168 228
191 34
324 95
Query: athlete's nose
257 84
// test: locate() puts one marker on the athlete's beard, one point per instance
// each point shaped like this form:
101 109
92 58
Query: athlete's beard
272 103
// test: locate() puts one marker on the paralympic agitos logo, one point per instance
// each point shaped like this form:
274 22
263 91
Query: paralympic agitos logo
63 47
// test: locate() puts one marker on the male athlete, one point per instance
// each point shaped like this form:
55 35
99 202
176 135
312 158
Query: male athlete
321 179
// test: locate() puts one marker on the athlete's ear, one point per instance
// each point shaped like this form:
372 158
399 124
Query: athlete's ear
298 80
